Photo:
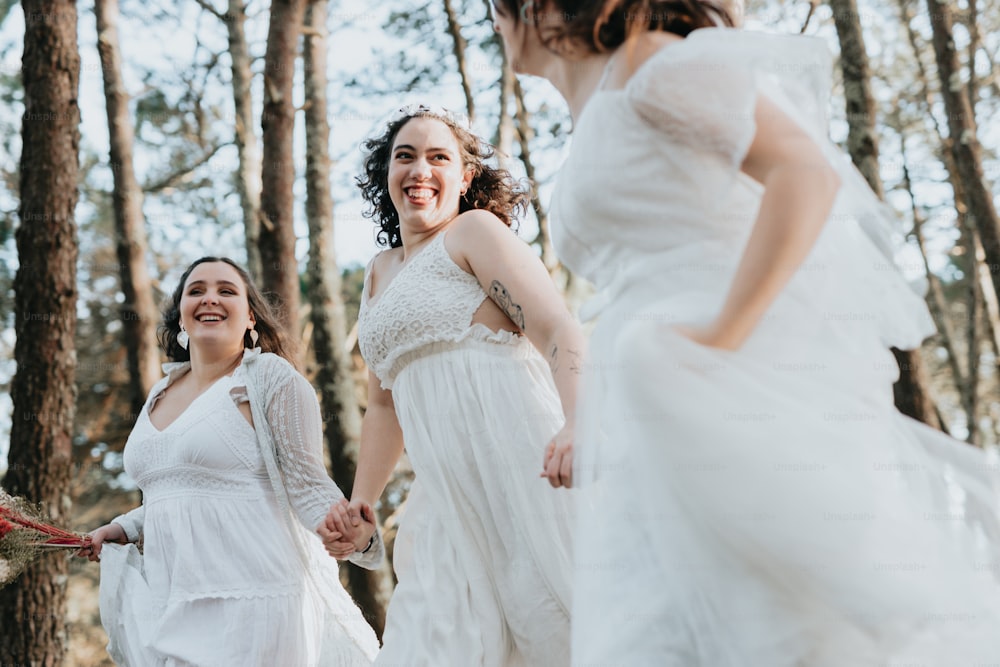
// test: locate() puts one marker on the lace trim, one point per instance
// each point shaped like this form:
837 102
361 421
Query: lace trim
478 336
259 591
186 480
437 305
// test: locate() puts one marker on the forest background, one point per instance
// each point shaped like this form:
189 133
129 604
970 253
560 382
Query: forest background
137 138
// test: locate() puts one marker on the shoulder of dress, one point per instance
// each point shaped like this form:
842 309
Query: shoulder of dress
757 50
159 386
268 369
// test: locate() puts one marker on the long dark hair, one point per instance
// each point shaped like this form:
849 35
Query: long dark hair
271 334
603 25
492 189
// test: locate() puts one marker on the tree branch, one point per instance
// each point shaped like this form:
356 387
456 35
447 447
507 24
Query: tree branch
174 178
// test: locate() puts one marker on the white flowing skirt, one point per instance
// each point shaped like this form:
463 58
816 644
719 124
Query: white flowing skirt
317 625
770 506
483 550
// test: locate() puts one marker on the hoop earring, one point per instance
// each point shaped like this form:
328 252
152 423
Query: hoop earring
182 338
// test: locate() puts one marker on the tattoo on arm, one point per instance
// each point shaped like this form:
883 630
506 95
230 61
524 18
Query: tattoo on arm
502 298
575 360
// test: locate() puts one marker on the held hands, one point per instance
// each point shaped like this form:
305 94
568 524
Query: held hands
349 527
111 532
558 463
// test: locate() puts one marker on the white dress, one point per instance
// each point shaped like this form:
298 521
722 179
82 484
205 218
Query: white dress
771 505
482 553
220 581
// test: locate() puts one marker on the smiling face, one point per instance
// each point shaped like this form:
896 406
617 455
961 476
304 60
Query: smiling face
427 175
214 308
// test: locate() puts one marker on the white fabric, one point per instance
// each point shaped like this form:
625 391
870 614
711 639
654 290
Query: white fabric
777 509
482 553
226 577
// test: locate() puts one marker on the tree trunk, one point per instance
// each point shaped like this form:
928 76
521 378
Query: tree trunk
279 269
970 236
32 610
139 313
525 134
936 299
911 390
972 25
505 123
248 179
964 144
342 417
458 48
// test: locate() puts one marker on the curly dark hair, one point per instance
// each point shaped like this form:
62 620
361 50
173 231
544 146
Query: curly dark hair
492 189
271 334
598 26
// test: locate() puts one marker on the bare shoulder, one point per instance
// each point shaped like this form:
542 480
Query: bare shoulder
386 258
474 233
382 266
478 222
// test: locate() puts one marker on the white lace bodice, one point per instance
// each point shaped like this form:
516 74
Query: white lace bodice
431 300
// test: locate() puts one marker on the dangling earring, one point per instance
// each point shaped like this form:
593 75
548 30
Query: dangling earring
183 338
254 336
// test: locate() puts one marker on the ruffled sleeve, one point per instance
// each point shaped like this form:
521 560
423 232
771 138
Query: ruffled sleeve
703 90
702 93
698 98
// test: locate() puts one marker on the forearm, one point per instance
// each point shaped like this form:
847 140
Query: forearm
793 212
381 447
566 353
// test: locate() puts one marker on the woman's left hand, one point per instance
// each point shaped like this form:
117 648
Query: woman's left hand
348 528
558 463
711 335
332 531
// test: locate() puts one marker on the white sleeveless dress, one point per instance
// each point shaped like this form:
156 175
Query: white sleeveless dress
482 553
220 582
774 507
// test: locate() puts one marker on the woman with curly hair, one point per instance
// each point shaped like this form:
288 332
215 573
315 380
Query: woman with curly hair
737 433
473 364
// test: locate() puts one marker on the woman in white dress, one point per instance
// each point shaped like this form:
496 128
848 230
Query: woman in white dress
737 441
471 355
228 453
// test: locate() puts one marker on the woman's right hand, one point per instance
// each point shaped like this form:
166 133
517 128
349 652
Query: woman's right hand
111 532
558 463
355 522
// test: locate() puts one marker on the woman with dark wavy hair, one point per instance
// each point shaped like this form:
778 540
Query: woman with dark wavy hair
737 443
472 358
490 189
228 452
